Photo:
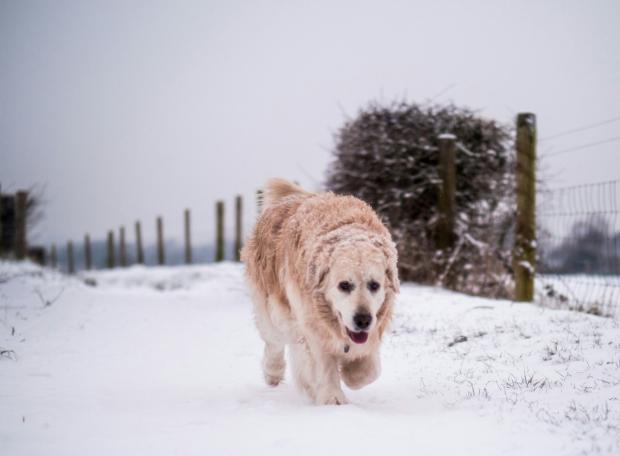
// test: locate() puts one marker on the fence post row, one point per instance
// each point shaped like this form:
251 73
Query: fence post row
447 191
238 223
2 247
53 257
122 251
70 258
139 249
188 237
219 231
524 255
87 253
111 260
259 201
7 224
21 202
161 254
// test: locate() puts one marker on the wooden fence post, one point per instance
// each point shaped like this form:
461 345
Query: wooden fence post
70 258
7 220
188 237
161 254
238 229
122 251
259 201
53 257
139 249
111 259
21 201
524 254
1 232
38 255
447 191
219 235
87 253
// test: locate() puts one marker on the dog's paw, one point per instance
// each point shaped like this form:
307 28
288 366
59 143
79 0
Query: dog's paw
336 401
273 368
273 380
361 372
332 398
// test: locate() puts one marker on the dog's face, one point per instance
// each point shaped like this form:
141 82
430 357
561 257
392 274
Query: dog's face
356 288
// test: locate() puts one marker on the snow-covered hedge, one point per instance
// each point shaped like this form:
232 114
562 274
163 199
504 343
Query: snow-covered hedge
388 156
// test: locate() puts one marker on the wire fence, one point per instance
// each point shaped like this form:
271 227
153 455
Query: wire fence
579 248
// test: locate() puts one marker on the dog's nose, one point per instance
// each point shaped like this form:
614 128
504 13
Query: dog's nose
362 320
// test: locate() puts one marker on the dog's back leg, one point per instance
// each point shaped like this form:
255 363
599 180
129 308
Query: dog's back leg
274 364
303 367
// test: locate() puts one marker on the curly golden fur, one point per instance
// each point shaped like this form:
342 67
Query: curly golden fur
303 247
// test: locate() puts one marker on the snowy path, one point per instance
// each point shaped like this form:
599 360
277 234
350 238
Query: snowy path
166 361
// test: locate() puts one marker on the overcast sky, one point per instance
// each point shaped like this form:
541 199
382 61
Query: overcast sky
127 110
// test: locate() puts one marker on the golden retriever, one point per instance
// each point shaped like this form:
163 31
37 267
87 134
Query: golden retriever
323 277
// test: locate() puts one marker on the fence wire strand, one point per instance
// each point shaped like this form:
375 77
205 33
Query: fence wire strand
579 248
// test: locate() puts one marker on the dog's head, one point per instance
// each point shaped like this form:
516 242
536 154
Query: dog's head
359 282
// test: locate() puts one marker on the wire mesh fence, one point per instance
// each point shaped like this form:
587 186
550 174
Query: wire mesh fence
579 248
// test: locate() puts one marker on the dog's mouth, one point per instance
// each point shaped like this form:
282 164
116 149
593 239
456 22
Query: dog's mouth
358 337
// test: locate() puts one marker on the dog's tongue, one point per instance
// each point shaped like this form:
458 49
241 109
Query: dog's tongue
358 337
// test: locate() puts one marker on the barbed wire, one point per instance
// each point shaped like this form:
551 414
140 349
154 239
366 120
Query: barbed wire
580 129
582 146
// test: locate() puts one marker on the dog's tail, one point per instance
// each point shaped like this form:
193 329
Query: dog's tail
277 188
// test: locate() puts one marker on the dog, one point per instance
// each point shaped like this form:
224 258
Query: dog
323 278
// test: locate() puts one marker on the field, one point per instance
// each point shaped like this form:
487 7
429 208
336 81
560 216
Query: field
596 294
167 361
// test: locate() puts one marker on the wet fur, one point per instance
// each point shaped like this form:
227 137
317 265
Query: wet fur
288 259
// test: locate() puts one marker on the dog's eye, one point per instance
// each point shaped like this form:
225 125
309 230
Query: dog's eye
373 286
345 286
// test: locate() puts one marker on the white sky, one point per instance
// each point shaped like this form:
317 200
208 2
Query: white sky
131 109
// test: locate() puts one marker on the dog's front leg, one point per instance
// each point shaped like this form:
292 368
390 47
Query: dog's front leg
362 371
327 378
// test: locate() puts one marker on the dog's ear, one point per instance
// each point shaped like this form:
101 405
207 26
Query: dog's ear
392 286
316 276
391 271
392 277
321 278
384 316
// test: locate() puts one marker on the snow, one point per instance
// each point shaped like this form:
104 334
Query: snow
527 266
598 294
167 361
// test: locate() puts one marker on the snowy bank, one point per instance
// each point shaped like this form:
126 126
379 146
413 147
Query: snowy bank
167 361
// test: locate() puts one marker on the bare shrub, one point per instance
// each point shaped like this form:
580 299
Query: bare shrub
388 156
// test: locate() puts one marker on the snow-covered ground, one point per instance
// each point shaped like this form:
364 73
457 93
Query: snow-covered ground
597 294
167 361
